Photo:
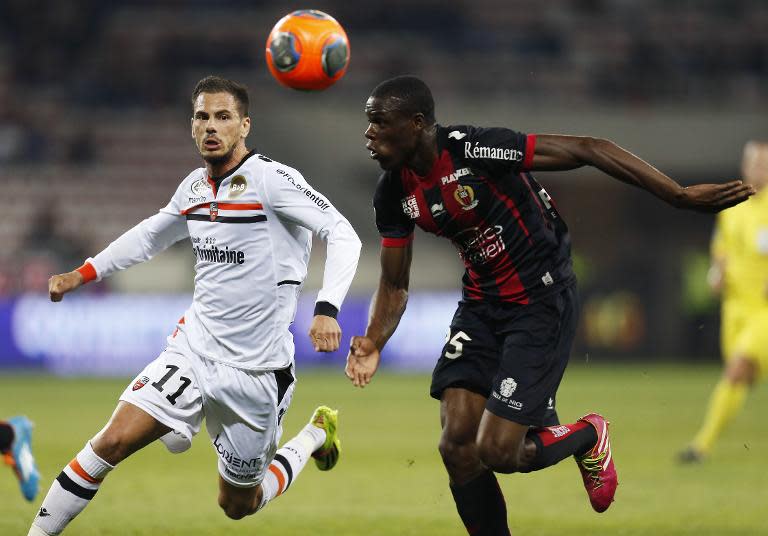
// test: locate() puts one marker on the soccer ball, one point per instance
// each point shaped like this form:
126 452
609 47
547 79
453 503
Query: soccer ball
307 49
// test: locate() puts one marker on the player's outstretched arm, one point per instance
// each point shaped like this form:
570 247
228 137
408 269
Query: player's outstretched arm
387 307
60 284
557 152
138 244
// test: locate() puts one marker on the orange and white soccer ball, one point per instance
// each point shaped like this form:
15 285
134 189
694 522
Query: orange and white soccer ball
307 49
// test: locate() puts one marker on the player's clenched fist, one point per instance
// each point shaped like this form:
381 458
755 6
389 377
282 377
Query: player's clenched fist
362 361
60 284
325 334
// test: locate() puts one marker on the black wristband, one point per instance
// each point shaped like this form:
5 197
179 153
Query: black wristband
326 309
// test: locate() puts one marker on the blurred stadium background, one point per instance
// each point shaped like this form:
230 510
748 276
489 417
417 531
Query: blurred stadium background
94 136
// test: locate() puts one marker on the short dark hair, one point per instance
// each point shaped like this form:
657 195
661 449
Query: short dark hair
414 95
217 84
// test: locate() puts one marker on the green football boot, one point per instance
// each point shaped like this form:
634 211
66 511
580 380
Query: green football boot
327 455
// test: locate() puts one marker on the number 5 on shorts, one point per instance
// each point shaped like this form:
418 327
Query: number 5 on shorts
172 369
457 341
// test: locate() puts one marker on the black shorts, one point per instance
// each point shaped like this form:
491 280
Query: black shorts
514 355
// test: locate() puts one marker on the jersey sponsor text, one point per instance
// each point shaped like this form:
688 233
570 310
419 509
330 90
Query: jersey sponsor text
494 153
233 460
224 256
455 175
478 246
315 198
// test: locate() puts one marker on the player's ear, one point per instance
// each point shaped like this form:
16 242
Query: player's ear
419 121
192 126
245 127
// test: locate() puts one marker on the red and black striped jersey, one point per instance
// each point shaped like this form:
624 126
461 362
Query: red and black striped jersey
514 244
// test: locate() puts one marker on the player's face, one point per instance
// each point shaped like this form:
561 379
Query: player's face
217 126
392 135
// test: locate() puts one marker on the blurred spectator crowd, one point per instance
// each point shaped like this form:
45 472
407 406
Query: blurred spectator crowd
135 53
75 178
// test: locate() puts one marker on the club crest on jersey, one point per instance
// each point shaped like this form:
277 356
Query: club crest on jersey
411 207
200 187
214 210
141 382
237 186
465 196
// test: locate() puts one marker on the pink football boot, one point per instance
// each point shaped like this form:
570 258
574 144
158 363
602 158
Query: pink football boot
596 466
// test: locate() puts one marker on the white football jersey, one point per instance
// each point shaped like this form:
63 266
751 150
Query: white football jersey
251 237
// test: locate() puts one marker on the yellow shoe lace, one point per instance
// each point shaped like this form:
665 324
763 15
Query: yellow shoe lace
593 465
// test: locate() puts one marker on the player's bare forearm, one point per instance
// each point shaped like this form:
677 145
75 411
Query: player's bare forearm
556 152
387 307
389 301
365 352
569 152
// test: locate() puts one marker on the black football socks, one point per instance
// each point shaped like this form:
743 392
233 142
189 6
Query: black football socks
481 506
555 443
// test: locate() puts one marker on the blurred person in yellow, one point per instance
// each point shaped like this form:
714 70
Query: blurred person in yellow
739 273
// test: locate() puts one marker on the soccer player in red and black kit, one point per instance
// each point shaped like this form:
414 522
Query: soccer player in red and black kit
510 338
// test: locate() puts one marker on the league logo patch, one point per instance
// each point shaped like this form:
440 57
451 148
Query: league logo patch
214 210
201 187
465 196
411 207
237 187
141 382
508 387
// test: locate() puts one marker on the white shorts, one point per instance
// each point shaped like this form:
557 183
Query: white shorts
243 409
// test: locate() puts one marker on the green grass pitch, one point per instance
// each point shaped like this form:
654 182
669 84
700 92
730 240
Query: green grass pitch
390 479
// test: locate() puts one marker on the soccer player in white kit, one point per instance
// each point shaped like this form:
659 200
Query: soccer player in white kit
250 221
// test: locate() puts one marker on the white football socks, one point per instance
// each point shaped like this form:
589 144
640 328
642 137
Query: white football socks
77 484
72 490
289 460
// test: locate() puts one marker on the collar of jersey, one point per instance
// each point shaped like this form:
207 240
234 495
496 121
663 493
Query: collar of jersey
218 180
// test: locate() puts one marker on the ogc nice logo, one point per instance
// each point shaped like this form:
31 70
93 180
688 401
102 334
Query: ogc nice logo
508 387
